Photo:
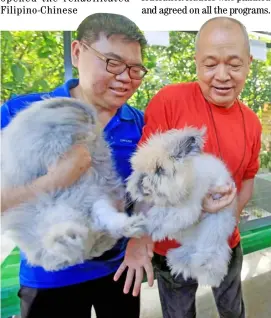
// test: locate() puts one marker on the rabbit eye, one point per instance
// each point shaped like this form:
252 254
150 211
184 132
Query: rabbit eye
192 140
159 170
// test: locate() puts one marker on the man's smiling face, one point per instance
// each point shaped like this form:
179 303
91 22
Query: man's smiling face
102 88
222 60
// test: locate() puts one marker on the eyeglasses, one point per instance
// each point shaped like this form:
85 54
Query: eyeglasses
118 67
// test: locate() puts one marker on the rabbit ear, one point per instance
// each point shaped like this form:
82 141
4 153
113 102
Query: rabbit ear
188 146
188 141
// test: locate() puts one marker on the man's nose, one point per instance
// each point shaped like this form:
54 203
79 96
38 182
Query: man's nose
222 73
124 76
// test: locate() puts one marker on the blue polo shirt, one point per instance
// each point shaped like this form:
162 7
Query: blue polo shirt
122 134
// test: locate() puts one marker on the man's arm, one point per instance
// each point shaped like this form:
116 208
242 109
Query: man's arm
11 197
244 196
252 169
67 171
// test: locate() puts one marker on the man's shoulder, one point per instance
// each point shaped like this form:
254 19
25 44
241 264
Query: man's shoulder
172 96
177 88
20 100
14 105
17 103
251 117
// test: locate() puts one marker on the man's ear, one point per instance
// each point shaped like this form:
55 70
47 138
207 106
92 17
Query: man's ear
75 52
195 60
196 63
250 59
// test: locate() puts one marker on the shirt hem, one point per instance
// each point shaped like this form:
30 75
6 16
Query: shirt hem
65 284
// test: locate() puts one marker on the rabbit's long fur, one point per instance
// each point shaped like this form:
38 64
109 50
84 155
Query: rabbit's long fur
173 175
67 226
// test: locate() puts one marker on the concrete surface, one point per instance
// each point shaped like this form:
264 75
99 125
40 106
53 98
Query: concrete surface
256 277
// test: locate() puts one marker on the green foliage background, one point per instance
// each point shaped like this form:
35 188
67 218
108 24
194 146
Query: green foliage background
33 62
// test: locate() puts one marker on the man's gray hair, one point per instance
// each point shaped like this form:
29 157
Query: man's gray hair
229 22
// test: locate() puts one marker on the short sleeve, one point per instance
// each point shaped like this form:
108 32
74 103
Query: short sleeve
254 163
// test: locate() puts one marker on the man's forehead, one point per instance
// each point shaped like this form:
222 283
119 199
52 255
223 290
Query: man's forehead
116 41
221 36
222 44
117 47
227 51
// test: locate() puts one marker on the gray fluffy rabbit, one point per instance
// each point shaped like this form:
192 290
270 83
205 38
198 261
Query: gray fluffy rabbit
172 175
67 226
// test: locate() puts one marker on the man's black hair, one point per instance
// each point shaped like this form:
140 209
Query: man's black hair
109 24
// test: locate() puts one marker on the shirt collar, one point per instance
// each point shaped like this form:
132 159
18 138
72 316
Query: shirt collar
125 113
64 90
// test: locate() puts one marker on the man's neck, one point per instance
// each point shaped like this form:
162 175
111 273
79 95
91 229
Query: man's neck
104 114
225 107
228 106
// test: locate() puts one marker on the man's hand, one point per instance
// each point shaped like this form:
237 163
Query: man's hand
219 198
139 253
63 174
69 168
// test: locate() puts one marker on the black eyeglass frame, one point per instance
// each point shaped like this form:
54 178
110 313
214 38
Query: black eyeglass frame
107 60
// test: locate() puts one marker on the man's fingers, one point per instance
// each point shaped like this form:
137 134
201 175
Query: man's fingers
225 200
120 270
138 281
149 272
228 198
129 280
150 250
222 189
213 205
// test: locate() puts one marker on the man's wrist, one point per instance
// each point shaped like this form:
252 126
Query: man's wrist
43 184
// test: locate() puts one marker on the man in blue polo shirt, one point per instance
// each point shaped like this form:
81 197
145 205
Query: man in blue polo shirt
108 56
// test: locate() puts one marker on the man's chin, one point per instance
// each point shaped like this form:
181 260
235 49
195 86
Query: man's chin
223 102
119 101
115 104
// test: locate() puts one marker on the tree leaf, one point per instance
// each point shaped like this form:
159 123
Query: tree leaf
40 84
7 35
18 71
43 53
